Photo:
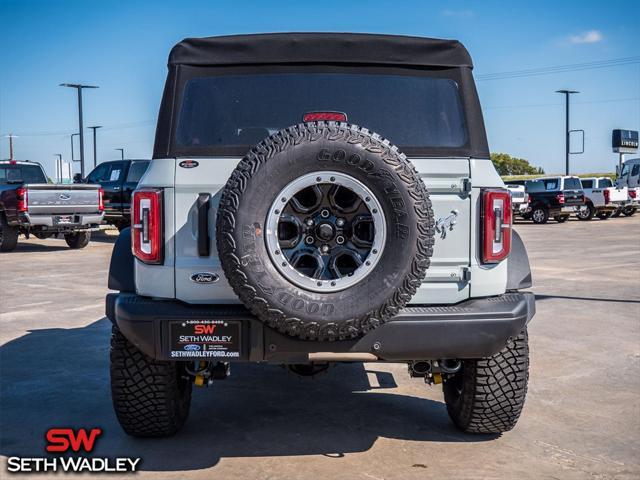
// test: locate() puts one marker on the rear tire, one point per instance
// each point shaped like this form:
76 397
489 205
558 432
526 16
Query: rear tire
540 215
586 213
604 215
616 213
151 398
8 236
77 240
561 218
488 395
629 211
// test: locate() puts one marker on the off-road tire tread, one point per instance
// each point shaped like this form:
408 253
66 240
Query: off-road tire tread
145 393
493 390
226 223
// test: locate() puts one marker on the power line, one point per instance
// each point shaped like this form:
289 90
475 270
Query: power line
536 105
557 69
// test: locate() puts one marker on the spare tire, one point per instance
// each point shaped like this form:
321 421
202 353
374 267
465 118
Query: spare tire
325 231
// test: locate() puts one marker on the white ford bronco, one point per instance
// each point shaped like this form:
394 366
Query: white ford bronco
319 198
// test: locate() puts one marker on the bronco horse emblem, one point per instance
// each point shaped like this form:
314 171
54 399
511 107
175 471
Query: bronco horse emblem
447 223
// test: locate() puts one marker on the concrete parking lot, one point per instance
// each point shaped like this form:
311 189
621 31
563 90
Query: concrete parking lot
581 419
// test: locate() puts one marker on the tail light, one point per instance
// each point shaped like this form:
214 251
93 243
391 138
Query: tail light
101 200
560 198
22 199
146 212
607 196
327 116
496 225
632 193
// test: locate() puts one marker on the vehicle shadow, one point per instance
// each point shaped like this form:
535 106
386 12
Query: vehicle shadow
103 237
29 246
541 296
59 378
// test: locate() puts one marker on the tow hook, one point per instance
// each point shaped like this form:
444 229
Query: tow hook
207 372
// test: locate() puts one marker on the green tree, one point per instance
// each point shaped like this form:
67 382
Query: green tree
508 165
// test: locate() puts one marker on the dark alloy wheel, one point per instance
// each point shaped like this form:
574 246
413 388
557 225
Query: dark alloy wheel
629 211
325 231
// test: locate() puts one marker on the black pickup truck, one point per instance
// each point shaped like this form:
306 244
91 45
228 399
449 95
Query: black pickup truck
553 197
118 179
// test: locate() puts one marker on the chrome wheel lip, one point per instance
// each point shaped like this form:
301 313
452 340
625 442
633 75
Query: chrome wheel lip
273 245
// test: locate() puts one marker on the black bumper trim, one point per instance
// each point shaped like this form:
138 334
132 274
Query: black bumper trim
474 328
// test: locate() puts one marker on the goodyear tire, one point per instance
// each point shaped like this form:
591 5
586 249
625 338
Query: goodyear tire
488 395
325 231
151 398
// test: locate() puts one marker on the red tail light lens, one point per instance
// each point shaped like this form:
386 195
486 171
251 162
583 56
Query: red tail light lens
146 212
632 193
607 196
327 116
560 198
101 200
22 199
496 225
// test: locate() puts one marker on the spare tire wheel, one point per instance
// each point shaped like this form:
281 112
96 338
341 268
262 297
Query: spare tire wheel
325 231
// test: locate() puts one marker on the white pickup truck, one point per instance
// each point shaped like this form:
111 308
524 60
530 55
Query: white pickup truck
629 176
602 198
519 197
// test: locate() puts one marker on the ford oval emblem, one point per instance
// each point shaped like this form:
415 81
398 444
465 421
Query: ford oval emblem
192 347
64 196
188 164
205 277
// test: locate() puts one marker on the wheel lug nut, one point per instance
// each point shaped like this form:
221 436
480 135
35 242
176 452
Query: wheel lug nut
339 239
325 213
340 222
310 222
309 240
325 248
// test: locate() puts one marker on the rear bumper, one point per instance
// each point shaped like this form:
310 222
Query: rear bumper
81 221
474 328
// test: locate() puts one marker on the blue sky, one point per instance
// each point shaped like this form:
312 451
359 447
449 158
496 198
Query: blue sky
122 46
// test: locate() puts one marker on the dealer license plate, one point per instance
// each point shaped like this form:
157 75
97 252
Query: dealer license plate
205 339
64 219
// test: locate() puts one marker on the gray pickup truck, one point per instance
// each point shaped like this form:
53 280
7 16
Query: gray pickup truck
274 226
31 206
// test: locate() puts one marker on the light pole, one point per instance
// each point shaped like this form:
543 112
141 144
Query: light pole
11 136
121 153
567 93
79 88
59 165
94 128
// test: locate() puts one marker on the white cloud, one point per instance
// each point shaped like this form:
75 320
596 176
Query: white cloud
458 13
591 36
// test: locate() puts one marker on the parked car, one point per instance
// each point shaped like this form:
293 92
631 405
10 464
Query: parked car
31 205
118 180
519 197
320 242
602 198
629 176
553 197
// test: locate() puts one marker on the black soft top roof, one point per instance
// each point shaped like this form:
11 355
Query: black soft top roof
283 48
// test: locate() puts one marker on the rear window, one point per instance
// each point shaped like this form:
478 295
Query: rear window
605 183
24 173
572 184
136 170
586 183
241 110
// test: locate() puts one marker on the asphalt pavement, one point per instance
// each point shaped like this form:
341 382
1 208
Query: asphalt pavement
371 421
